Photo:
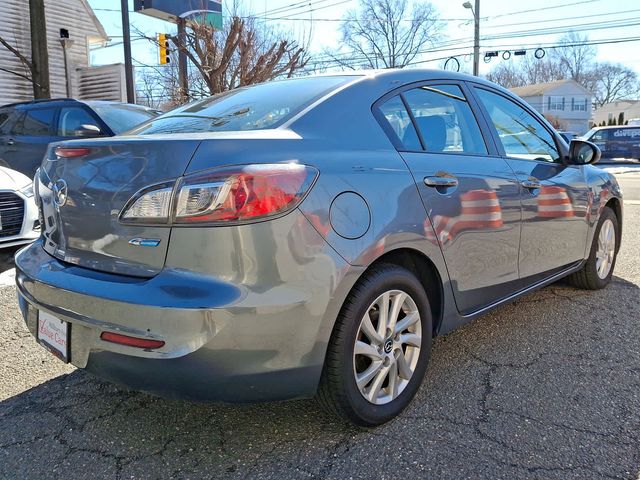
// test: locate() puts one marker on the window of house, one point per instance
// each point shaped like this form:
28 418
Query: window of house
579 104
556 103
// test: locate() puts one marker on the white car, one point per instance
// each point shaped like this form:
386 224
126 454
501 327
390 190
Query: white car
19 222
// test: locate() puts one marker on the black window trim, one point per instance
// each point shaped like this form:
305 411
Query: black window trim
563 152
485 129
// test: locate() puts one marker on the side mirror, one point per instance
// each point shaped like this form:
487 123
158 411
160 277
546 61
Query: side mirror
582 152
87 131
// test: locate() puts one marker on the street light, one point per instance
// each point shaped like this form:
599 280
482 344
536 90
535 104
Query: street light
476 34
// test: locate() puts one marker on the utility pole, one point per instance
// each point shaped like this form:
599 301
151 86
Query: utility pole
39 50
476 35
476 39
183 73
128 62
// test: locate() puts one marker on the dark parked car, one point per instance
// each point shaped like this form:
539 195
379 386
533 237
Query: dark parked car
616 143
309 236
26 129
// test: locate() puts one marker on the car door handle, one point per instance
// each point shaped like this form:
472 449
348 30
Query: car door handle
11 142
531 183
441 181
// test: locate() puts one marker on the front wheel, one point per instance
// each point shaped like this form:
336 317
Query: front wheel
598 269
379 349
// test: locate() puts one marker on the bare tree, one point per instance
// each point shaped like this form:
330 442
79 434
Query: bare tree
241 54
614 82
573 59
576 57
386 33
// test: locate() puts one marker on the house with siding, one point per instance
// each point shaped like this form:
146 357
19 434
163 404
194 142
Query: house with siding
78 19
566 102
628 109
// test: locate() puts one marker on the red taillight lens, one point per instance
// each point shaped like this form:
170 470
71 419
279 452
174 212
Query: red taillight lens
64 152
242 193
131 341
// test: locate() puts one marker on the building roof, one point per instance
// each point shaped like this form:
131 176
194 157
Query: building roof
542 88
102 33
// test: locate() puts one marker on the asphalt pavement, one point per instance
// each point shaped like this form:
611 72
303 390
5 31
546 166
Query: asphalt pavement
545 388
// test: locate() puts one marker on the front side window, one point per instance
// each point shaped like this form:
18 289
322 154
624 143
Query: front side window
445 120
258 107
522 136
73 120
121 118
36 123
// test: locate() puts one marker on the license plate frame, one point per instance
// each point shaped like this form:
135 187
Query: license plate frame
54 334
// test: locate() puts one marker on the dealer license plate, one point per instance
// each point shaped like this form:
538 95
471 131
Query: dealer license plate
53 334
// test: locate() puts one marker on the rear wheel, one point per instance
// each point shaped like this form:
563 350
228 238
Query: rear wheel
379 349
598 269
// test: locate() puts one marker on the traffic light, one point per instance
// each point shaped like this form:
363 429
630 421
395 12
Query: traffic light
163 48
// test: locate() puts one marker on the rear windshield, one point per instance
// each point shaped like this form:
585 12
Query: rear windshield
121 118
250 108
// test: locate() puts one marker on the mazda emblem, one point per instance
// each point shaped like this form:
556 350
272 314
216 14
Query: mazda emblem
60 192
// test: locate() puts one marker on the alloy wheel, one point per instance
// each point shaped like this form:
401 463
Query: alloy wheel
387 347
606 249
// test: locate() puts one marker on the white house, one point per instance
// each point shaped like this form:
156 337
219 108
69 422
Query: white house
79 20
566 101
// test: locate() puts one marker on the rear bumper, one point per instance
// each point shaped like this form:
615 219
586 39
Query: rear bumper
225 341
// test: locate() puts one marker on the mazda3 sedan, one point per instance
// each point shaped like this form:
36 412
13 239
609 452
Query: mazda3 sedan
308 237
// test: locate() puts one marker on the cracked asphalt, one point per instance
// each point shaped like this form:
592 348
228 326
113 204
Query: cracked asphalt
545 388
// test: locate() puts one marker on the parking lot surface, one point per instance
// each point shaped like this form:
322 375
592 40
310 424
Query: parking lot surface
545 388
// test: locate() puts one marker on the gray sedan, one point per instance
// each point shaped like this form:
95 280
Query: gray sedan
308 237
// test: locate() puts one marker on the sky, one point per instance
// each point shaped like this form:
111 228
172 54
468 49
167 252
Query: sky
518 25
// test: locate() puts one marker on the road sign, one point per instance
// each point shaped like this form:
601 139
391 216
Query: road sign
201 11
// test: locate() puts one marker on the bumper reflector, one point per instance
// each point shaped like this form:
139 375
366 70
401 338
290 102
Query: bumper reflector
130 341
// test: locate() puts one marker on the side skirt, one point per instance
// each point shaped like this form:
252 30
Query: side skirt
463 319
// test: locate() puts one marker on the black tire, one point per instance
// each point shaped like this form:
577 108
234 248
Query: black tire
587 278
338 392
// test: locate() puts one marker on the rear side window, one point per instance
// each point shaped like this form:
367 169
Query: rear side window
445 120
251 108
400 122
522 136
73 119
35 123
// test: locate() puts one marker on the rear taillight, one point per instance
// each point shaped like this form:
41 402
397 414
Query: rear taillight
231 194
65 152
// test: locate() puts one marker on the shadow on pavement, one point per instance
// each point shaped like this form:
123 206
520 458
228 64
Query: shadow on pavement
543 388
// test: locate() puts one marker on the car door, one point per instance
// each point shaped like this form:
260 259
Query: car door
555 197
28 139
470 194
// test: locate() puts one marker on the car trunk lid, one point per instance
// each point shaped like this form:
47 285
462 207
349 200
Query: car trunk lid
81 199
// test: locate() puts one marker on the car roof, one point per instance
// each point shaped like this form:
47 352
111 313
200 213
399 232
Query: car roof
57 102
617 127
